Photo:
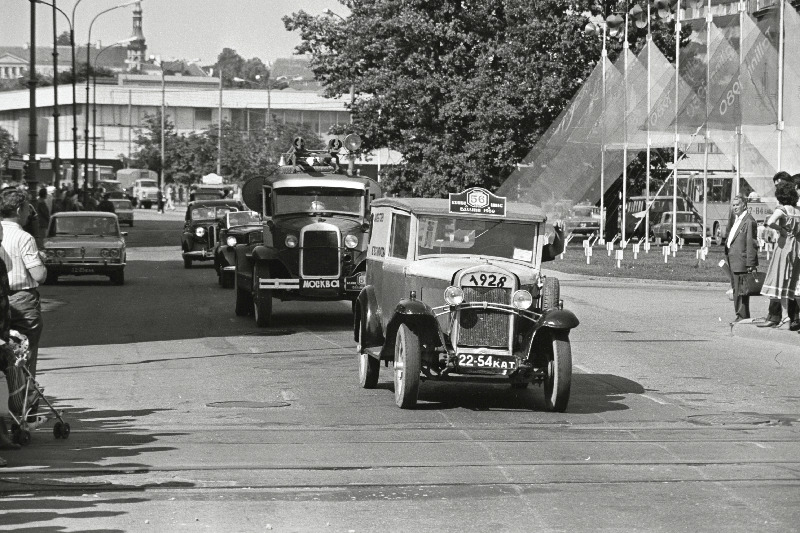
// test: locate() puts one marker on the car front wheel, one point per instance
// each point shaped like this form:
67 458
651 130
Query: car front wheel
368 367
407 363
558 377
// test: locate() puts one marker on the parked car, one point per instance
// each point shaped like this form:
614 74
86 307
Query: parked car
454 288
201 228
85 242
583 219
313 244
145 192
124 211
237 227
688 226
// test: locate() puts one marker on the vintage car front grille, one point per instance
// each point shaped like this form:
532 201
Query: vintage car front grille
484 327
211 235
320 253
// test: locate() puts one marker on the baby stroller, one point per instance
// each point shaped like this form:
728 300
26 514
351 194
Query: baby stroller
24 393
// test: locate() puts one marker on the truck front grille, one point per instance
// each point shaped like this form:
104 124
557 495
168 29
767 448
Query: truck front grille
484 327
320 253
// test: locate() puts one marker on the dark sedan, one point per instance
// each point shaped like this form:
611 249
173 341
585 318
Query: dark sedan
201 228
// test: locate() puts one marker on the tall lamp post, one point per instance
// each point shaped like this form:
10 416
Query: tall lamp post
157 61
592 29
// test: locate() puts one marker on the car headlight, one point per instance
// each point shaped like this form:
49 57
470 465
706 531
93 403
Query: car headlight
49 254
522 299
200 231
103 253
351 241
290 241
61 253
453 295
230 241
113 253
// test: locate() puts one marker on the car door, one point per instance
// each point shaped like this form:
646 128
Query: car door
393 284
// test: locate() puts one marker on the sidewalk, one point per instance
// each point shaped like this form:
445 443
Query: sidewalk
748 329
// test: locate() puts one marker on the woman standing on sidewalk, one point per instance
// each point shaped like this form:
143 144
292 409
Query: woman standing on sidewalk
780 282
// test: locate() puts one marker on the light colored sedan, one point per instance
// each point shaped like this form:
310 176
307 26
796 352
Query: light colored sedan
124 211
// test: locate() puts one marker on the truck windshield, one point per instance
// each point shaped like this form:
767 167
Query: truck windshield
462 236
318 200
147 183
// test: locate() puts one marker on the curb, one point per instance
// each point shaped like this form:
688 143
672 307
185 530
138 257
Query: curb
747 329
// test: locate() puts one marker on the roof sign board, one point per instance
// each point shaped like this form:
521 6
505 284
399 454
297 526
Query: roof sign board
45 164
211 179
15 164
478 201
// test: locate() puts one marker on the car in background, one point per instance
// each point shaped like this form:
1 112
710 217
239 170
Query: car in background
112 188
583 219
454 290
84 243
689 227
201 228
238 227
124 210
145 192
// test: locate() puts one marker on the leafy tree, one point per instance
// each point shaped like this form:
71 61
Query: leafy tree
63 38
462 88
8 147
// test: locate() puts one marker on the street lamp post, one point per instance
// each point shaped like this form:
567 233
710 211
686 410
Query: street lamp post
32 122
56 114
219 126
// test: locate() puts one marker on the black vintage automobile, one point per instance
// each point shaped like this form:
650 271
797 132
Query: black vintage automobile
237 227
200 230
313 244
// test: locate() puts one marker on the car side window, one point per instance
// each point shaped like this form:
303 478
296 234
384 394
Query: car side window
401 229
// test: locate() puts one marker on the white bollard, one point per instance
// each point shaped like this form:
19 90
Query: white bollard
609 247
674 248
636 250
588 252
647 247
619 258
665 251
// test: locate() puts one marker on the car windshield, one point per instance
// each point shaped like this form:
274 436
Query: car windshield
147 183
318 200
685 217
497 238
242 218
85 225
210 213
122 204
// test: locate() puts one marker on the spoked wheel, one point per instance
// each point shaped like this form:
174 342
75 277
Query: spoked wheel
407 362
369 367
558 373
262 298
244 299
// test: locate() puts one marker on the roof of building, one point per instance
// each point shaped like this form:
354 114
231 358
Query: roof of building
112 57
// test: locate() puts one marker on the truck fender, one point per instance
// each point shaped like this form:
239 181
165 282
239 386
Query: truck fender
264 253
419 317
229 253
367 309
244 267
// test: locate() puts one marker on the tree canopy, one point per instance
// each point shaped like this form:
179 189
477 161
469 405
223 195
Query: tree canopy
8 146
233 65
462 88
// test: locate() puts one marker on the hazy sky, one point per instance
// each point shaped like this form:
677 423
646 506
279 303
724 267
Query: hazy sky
179 29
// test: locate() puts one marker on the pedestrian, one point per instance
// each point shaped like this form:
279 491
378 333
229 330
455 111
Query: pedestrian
6 359
741 252
92 201
42 215
25 271
160 201
780 283
171 198
106 204
58 202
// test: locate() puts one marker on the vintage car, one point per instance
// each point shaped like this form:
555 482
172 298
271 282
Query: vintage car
313 243
236 228
123 210
84 242
688 226
201 226
583 220
454 288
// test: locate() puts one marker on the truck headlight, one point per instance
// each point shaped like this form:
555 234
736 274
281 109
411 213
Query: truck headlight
453 295
231 241
351 241
200 231
522 299
290 241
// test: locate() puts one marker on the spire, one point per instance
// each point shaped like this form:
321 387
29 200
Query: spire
137 47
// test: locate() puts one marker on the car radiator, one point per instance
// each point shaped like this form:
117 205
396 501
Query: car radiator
320 253
484 327
211 235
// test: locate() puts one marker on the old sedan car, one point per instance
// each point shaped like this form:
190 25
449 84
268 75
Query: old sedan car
235 228
124 211
201 226
584 220
688 227
85 242
454 288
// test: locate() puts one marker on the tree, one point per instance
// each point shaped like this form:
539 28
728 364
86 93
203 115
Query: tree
8 146
235 66
462 88
63 38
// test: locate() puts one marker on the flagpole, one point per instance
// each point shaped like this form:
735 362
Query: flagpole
738 181
709 19
623 238
649 141
782 4
677 91
603 56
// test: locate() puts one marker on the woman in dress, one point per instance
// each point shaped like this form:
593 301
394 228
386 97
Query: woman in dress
780 282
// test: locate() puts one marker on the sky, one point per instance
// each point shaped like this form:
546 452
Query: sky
173 29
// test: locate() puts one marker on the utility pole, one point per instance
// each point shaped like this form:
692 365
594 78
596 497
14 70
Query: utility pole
56 114
32 122
219 130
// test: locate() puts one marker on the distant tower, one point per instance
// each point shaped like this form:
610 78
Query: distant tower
137 47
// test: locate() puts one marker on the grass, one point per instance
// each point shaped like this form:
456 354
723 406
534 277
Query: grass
683 267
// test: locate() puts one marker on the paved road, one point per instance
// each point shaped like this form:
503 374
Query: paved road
185 417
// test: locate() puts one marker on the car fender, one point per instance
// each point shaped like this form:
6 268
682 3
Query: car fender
557 319
244 266
416 315
367 307
229 254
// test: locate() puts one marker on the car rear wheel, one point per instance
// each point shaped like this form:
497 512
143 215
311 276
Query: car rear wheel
551 294
369 367
244 299
262 298
407 362
558 373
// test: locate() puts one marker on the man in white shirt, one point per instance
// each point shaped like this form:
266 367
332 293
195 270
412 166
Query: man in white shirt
25 270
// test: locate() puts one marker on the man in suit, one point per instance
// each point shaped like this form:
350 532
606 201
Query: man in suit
741 251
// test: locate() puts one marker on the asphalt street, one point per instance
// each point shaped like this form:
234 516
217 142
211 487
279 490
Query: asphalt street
186 417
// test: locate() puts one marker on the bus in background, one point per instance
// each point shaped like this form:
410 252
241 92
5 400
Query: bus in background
636 209
104 173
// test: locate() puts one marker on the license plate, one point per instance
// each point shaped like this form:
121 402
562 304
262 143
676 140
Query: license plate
485 361
83 270
485 279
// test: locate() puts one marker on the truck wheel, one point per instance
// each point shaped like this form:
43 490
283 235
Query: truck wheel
369 367
244 299
551 293
407 362
187 262
262 298
558 373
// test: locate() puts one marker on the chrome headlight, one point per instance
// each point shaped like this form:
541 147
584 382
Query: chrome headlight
103 253
113 252
453 295
290 241
351 241
231 241
522 299
200 231
49 254
61 253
